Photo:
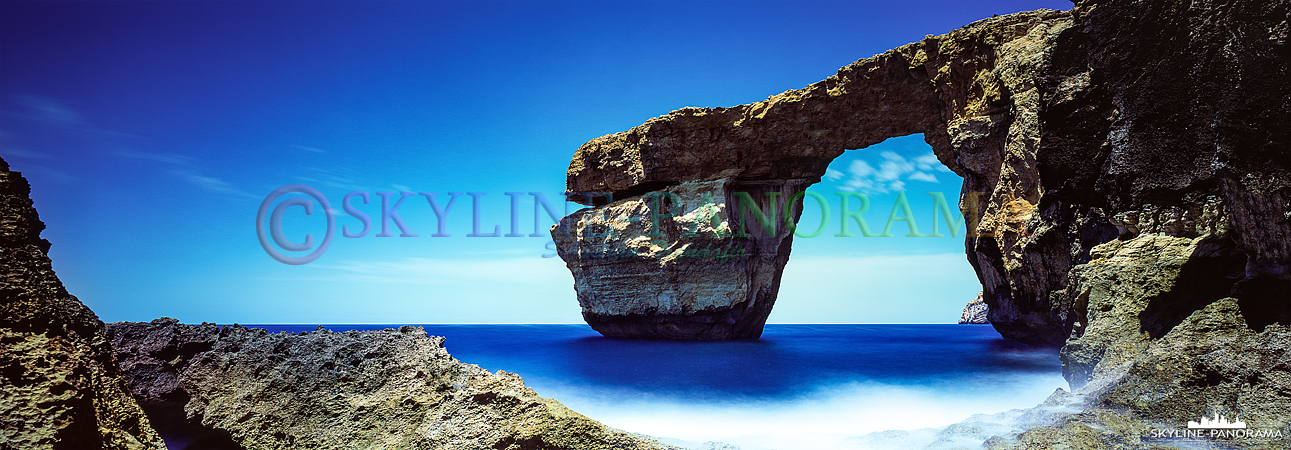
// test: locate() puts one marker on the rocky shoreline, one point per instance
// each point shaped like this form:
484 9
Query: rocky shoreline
71 382
392 388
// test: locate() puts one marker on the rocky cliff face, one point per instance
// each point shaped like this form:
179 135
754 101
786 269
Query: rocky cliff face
58 378
324 390
1127 181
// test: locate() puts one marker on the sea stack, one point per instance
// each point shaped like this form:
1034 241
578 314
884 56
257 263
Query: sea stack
671 265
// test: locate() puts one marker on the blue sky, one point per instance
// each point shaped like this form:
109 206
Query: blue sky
152 131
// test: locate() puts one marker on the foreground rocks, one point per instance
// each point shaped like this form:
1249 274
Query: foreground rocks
59 383
358 389
1065 421
69 382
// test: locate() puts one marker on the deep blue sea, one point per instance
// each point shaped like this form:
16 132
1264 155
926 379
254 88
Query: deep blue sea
799 386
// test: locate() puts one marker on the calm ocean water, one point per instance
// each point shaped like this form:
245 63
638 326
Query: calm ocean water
800 386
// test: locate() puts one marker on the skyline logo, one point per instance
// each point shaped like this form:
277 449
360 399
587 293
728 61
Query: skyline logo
1218 421
1217 426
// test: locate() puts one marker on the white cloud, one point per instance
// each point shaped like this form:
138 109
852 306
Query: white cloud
55 113
182 167
47 173
330 178
929 161
861 168
213 184
9 152
476 273
923 176
309 149
168 158
893 166
833 175
892 173
49 110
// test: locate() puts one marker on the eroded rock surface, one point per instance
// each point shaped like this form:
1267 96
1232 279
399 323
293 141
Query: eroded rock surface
59 383
393 388
669 265
1127 184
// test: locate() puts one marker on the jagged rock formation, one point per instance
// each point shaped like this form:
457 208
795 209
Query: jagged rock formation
975 312
358 389
59 383
1127 181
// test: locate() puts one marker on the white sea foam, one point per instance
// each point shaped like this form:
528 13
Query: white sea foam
824 418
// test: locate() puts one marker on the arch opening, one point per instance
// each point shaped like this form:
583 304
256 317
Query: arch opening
916 272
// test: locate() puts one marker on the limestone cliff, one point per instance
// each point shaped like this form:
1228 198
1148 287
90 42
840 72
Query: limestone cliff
59 383
393 388
1127 181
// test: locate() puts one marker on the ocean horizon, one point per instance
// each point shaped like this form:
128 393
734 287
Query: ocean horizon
800 386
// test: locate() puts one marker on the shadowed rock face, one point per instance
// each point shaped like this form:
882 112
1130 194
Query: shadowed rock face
358 389
58 379
1127 171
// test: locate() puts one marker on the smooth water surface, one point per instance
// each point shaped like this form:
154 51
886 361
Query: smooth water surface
799 386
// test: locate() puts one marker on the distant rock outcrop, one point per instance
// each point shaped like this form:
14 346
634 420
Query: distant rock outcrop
1127 185
59 383
393 388
975 312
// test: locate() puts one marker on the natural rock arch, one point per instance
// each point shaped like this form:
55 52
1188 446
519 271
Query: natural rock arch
1135 160
976 113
